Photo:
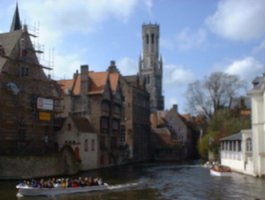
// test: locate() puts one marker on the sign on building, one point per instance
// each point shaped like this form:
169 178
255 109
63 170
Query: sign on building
44 104
44 116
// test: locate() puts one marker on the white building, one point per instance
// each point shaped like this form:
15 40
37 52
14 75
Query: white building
249 156
78 134
236 152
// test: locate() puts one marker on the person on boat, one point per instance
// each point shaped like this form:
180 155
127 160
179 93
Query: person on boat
40 184
57 183
74 184
100 181
64 182
34 183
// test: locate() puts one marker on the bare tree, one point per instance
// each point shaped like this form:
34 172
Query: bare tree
213 93
197 103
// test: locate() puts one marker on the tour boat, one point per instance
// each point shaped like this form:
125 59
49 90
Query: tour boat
220 170
24 190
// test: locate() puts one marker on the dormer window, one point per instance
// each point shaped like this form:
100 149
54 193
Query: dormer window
117 109
105 106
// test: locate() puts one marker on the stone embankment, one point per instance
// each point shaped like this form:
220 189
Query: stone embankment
23 167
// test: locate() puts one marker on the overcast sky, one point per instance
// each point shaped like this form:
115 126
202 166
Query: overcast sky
196 37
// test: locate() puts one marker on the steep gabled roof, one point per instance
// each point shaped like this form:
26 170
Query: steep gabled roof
66 85
8 42
114 80
187 116
16 24
97 82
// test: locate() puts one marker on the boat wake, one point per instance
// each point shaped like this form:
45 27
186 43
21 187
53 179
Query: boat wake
122 186
34 191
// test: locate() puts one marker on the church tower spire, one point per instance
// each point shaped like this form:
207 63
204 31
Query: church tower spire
16 24
151 66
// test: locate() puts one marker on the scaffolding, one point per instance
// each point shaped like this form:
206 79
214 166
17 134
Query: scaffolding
23 81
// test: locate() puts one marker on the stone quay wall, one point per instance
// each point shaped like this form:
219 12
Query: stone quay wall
25 167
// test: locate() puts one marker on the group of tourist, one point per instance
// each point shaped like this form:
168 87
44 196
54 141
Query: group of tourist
64 182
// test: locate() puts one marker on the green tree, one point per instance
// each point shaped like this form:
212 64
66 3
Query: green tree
203 146
225 122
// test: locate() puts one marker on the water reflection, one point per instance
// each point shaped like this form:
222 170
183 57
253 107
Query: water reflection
160 182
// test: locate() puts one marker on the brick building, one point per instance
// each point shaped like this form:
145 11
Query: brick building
174 137
29 100
98 97
77 133
136 109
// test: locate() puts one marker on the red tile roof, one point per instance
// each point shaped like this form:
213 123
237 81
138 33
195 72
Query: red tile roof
114 79
97 82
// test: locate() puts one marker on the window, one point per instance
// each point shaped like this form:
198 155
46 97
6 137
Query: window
152 38
104 124
24 71
122 135
118 95
249 145
115 126
117 109
86 145
93 145
147 39
239 146
105 106
147 79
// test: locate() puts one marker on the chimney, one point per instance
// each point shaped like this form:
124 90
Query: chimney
25 28
75 75
84 80
175 107
112 67
112 63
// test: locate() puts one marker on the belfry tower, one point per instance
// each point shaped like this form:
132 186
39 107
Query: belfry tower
151 66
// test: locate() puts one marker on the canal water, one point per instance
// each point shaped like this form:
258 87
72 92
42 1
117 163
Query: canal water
160 182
